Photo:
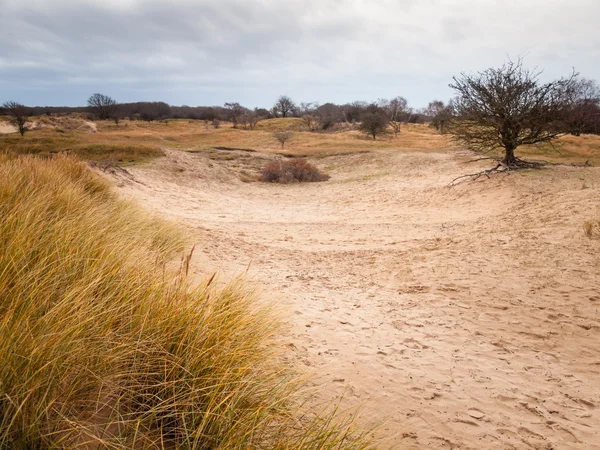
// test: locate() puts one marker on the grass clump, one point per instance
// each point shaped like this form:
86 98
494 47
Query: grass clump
292 171
99 349
592 229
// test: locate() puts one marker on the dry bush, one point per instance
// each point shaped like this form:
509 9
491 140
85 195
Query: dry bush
292 171
283 136
103 346
592 229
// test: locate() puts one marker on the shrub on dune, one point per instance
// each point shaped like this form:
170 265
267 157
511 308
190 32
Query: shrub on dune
292 171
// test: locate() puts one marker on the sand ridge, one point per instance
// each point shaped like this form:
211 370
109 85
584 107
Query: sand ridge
462 317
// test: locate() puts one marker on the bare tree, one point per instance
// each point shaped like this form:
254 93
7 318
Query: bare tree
307 108
283 136
374 121
104 107
234 111
249 119
507 107
284 106
396 112
584 116
439 113
19 115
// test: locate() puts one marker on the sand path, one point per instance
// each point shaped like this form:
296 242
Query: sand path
463 317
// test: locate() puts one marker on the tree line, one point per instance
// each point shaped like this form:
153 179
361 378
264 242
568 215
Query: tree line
375 116
499 108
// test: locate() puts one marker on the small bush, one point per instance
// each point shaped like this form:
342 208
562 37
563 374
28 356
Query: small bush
292 171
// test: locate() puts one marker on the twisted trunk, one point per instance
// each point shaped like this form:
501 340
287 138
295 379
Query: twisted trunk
509 156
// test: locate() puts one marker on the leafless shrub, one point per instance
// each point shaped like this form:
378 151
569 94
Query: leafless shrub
292 171
249 119
310 122
283 136
216 123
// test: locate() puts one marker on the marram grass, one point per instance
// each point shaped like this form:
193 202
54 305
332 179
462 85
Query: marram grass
103 346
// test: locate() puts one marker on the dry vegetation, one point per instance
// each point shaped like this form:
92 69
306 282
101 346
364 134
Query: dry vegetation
104 346
292 171
136 141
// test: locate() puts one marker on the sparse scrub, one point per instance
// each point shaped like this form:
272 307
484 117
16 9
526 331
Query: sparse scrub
291 171
104 346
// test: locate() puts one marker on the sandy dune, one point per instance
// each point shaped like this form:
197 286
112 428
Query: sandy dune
7 128
461 317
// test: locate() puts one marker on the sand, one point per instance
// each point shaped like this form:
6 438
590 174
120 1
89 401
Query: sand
7 128
462 317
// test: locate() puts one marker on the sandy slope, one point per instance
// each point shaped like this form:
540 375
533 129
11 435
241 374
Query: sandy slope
463 317
7 128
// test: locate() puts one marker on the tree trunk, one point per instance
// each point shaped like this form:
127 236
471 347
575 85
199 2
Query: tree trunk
509 156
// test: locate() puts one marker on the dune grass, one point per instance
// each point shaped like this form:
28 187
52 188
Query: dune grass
47 142
104 344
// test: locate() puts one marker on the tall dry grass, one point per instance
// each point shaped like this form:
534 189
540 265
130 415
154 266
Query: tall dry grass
103 346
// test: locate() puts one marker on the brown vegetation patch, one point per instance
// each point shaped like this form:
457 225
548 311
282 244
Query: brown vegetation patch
292 171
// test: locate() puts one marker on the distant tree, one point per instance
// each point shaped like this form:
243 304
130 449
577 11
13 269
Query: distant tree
103 107
263 113
233 112
283 136
307 109
328 115
584 116
439 114
284 106
373 121
396 112
249 119
508 107
353 111
19 115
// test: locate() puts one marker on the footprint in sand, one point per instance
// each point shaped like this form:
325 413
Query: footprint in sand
476 413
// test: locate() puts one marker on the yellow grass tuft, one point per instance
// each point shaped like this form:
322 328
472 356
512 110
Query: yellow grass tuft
592 229
103 346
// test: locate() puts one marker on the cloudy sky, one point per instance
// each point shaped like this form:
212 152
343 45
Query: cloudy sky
207 52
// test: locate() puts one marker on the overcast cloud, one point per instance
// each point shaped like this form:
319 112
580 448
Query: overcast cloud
205 52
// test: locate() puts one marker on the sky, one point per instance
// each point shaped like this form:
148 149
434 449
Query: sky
208 52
